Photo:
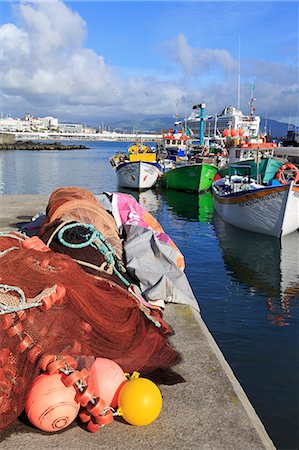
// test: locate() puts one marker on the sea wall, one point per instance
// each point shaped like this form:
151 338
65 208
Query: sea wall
7 139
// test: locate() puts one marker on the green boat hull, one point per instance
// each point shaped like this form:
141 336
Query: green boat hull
190 177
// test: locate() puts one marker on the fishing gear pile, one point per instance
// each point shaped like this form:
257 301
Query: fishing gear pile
52 305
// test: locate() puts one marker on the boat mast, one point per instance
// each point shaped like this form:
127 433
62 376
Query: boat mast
239 76
251 103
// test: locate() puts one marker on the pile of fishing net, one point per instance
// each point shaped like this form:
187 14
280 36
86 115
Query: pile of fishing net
51 305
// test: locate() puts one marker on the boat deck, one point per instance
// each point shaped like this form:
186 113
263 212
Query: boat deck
208 411
292 153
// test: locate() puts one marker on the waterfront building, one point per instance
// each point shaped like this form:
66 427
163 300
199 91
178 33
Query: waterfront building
30 123
70 128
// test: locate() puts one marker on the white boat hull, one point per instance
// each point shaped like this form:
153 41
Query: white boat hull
271 210
137 175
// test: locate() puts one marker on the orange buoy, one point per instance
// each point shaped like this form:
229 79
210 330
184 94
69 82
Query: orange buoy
50 405
107 378
226 132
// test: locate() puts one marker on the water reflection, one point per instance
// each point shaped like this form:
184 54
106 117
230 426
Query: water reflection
265 264
148 199
187 205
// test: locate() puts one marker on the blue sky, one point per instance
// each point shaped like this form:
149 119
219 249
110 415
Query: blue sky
96 61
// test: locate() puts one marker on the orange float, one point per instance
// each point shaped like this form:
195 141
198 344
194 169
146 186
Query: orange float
226 132
107 379
50 405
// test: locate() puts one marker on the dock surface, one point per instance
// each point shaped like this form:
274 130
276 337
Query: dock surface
209 411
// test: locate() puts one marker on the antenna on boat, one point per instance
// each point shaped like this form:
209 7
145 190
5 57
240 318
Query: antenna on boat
176 114
239 74
266 122
251 103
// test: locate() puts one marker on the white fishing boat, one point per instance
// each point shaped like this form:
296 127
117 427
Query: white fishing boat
138 169
271 210
137 175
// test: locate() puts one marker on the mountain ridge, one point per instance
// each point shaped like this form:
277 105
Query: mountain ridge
157 124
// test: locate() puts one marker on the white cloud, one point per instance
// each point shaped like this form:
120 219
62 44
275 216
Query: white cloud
44 64
45 69
198 61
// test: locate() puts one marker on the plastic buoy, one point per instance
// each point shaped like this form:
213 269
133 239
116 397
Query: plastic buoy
50 405
107 378
139 401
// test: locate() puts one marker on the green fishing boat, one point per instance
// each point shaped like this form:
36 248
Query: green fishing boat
265 170
190 177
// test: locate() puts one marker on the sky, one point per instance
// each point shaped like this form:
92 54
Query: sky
102 61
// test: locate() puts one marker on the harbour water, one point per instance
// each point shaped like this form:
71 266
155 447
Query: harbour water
247 285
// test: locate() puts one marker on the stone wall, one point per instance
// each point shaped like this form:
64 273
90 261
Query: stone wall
6 138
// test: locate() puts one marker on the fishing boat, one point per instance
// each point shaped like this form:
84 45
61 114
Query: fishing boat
246 204
137 169
195 177
264 165
174 145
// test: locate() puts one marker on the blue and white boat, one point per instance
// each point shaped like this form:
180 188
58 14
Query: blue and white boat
271 210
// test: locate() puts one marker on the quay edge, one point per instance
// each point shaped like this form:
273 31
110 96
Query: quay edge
209 411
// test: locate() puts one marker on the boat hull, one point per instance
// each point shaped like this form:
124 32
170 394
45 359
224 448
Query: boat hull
190 177
271 210
137 175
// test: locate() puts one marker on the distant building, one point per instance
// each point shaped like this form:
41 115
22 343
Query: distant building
70 128
37 124
13 125
89 130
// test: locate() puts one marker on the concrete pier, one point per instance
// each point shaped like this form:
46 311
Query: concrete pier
209 411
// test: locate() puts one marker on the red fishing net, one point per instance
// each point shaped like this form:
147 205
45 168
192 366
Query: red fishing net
58 308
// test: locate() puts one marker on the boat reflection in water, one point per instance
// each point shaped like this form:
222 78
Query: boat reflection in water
188 205
266 264
148 199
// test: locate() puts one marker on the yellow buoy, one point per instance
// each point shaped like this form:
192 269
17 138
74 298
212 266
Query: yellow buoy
139 401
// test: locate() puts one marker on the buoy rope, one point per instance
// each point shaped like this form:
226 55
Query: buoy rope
9 303
13 235
92 237
94 412
8 250
22 304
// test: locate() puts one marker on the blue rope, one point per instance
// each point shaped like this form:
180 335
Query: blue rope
96 240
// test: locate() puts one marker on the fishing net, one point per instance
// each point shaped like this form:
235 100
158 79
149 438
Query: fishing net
50 305
78 225
77 204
